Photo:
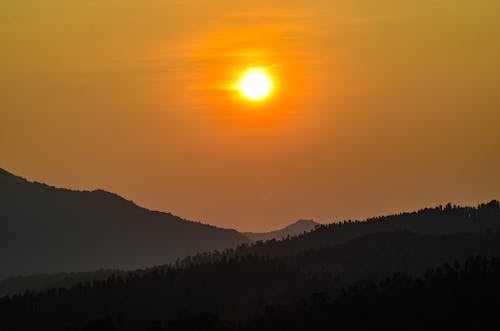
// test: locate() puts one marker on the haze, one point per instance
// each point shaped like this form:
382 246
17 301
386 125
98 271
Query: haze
380 106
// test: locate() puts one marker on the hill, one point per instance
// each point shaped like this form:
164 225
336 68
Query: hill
372 248
236 289
291 230
441 220
44 229
301 282
462 296
367 258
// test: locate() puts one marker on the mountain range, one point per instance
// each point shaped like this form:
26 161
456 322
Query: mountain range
44 229
436 262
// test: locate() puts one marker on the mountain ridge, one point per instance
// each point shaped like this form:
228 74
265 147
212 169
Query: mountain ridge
293 229
48 229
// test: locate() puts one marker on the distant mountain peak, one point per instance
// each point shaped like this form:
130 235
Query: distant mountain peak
303 222
291 230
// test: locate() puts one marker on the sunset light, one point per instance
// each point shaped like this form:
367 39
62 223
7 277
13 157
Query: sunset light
255 84
249 165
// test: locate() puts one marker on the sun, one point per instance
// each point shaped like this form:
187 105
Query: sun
255 84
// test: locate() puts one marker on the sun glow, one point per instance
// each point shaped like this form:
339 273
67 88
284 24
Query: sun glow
255 84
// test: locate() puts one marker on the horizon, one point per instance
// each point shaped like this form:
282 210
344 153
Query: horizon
244 231
253 115
249 165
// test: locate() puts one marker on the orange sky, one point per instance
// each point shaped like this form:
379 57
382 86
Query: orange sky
379 106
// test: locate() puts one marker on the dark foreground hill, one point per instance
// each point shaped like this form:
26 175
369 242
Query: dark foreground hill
370 257
47 229
372 248
447 220
332 277
462 296
254 293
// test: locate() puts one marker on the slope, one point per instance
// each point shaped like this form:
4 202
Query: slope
291 230
46 229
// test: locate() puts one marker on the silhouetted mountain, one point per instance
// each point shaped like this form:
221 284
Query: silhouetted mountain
370 257
38 282
344 249
291 230
450 297
46 229
287 284
378 255
238 288
449 219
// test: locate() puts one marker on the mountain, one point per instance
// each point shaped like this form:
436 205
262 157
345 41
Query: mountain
265 285
45 229
234 289
406 242
370 257
291 230
440 220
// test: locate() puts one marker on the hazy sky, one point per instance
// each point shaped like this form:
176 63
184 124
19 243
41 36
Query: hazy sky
379 106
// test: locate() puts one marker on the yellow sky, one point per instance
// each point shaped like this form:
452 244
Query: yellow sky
380 106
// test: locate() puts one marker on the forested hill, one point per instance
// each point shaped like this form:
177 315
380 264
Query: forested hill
249 289
328 276
47 229
405 242
439 220
369 257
